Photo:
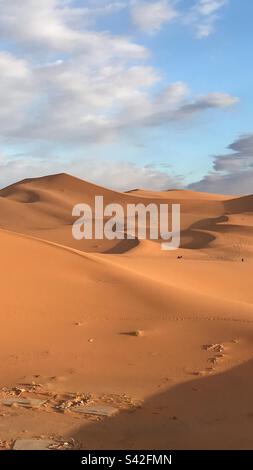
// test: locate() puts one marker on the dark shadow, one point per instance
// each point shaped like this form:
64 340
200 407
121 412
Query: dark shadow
239 205
23 196
200 239
196 237
212 412
135 333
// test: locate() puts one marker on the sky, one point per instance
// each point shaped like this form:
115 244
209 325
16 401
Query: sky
152 94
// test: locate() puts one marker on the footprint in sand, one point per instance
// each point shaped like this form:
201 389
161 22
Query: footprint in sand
218 355
218 350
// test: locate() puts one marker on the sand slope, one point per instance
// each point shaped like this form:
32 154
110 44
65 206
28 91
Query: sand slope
58 294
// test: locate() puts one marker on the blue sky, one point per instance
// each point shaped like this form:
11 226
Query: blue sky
128 93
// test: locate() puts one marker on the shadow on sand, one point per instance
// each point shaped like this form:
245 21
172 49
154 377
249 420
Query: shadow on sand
199 235
211 412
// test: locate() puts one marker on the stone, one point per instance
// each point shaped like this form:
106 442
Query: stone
135 333
25 402
97 410
32 444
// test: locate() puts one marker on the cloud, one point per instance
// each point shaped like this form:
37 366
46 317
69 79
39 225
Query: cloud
172 105
204 15
121 175
79 85
17 87
124 176
149 17
186 109
63 82
64 101
59 26
209 7
90 99
232 173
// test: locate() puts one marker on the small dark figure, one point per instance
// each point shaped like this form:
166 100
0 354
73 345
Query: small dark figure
180 257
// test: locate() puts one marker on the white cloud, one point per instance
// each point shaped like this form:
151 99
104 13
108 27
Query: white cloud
77 101
124 176
151 16
121 175
17 89
90 89
175 104
56 25
208 7
204 16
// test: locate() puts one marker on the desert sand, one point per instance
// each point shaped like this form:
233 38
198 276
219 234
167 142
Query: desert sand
166 337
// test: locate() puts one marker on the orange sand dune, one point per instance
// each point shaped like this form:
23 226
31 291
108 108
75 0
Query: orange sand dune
68 309
178 193
43 207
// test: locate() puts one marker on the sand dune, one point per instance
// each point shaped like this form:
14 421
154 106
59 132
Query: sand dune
178 194
43 206
240 205
68 309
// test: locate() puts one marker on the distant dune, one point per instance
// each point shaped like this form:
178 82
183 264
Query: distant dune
70 310
177 193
